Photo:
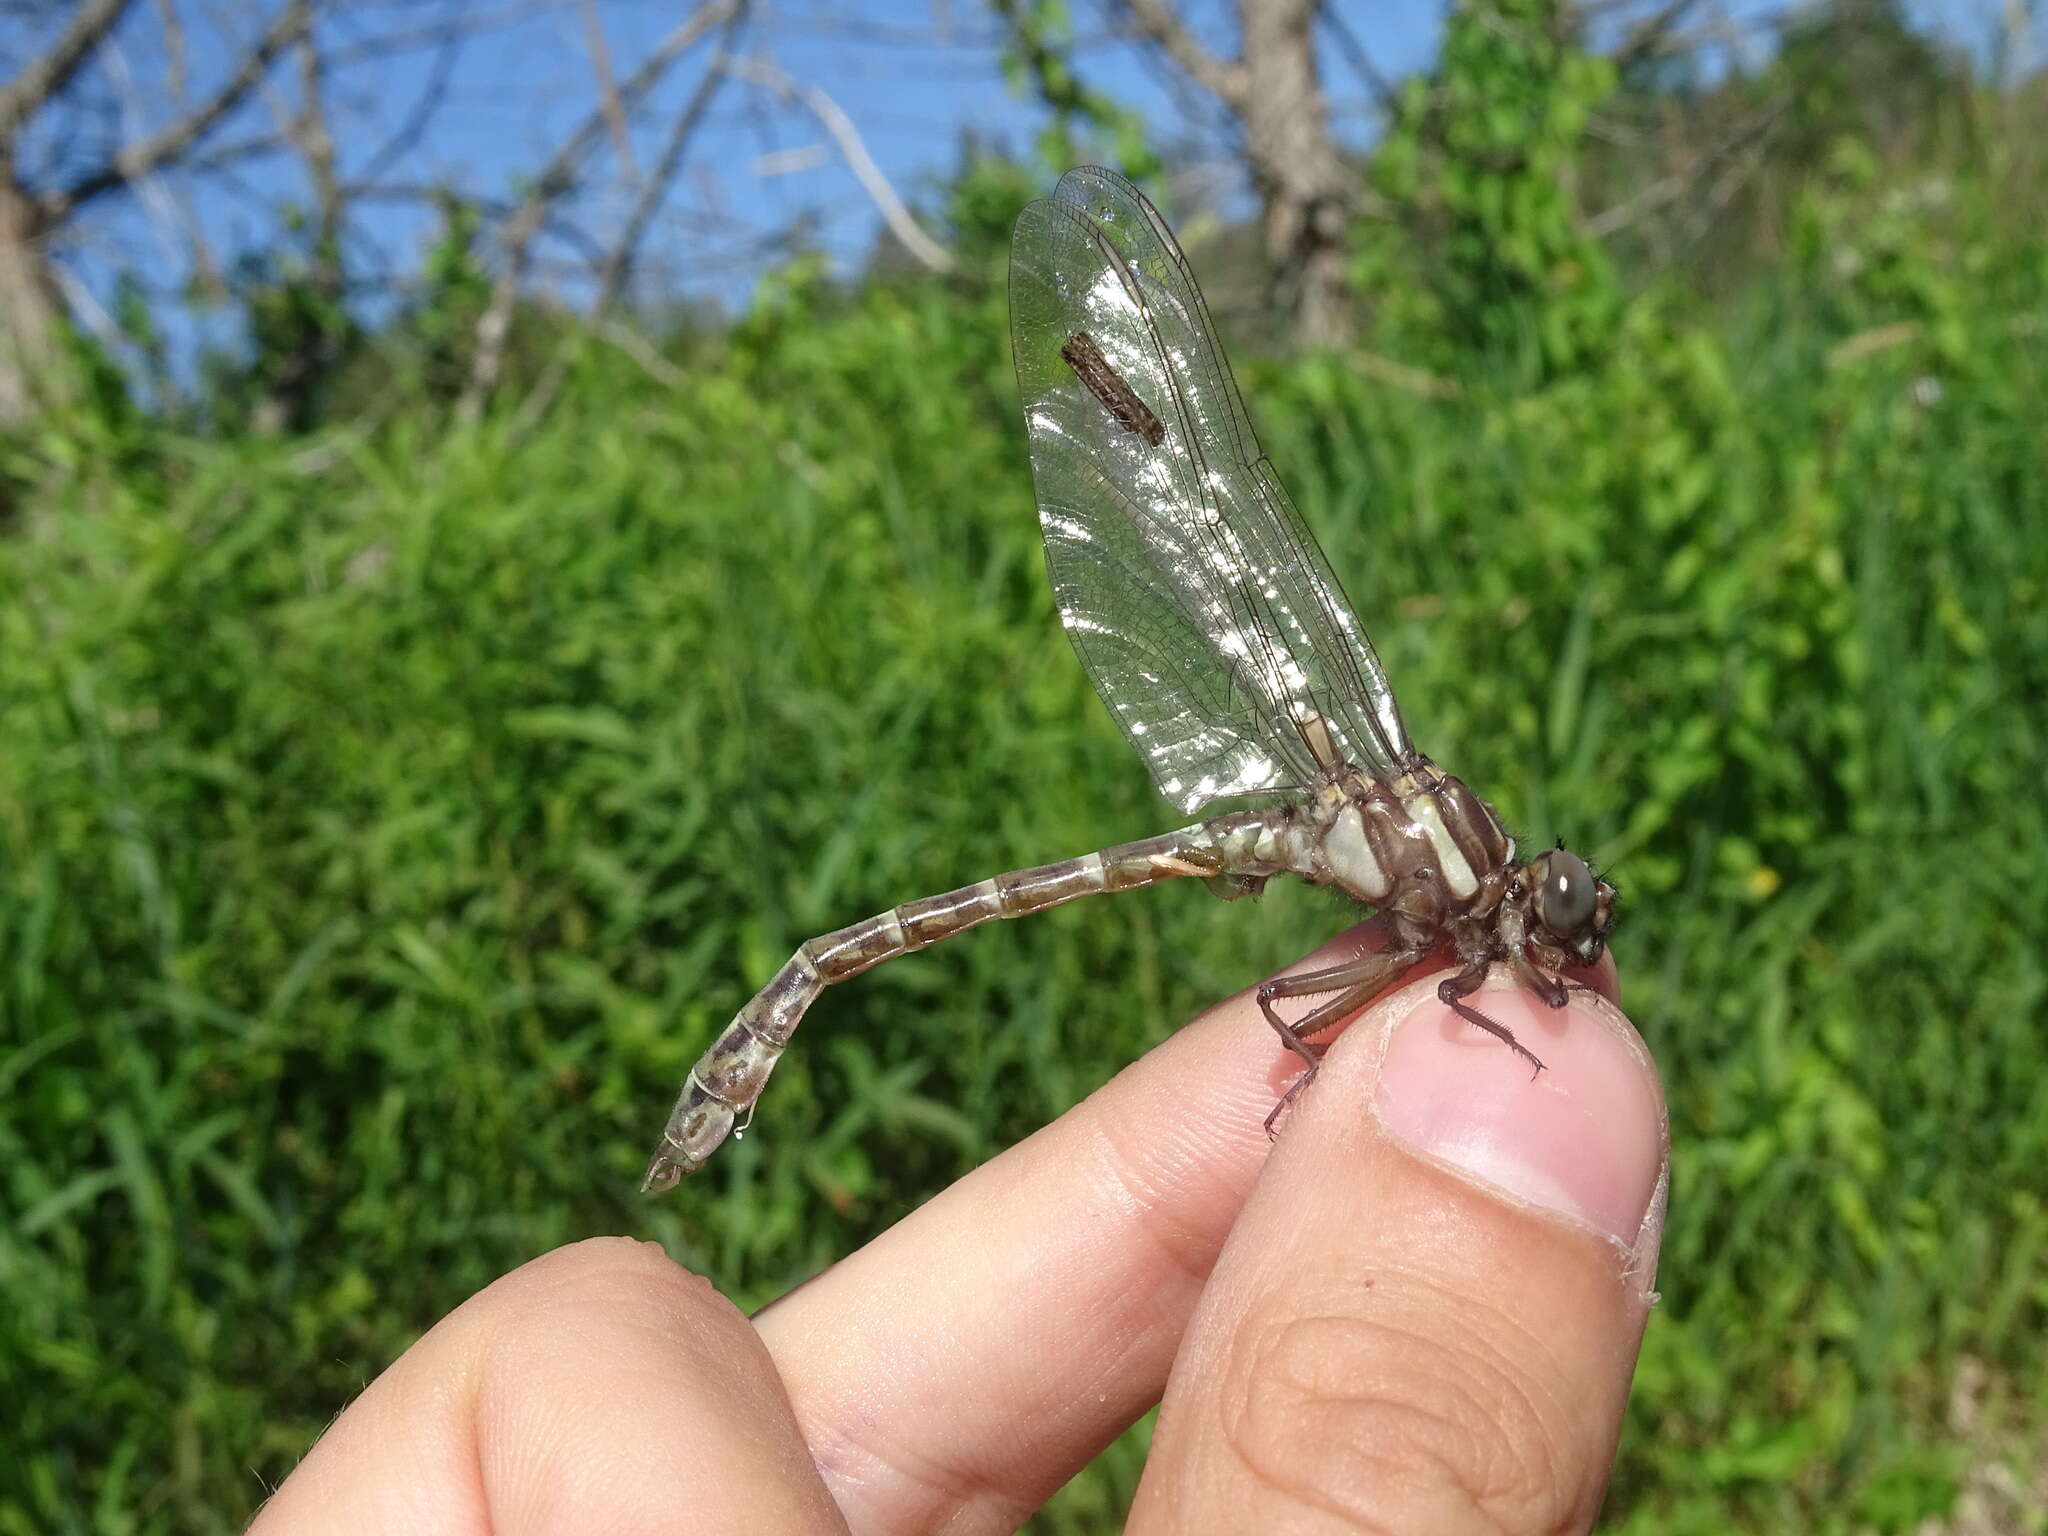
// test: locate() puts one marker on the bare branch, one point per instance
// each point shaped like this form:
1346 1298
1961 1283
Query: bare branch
43 78
167 219
134 161
1652 35
466 22
618 260
308 130
429 192
1225 79
174 47
637 347
220 157
434 194
89 312
608 90
1669 189
424 106
1361 62
618 263
835 122
556 178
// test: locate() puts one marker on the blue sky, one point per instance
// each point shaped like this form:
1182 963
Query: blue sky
913 75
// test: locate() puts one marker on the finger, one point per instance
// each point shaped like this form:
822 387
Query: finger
598 1388
1426 1317
969 1361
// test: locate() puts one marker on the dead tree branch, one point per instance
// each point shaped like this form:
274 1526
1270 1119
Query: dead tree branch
1674 187
619 259
833 119
1274 92
1362 65
133 161
618 264
42 78
406 136
608 90
1226 79
1652 36
175 53
557 178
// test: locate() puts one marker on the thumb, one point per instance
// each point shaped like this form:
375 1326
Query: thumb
1426 1317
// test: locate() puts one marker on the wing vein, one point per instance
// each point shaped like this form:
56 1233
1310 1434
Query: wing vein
1196 597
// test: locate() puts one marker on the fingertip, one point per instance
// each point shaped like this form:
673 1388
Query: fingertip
598 1387
1428 1313
1586 1139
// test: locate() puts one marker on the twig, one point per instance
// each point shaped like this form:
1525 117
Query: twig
174 47
1375 79
637 347
465 23
1651 36
41 78
162 214
835 122
1416 381
134 161
1668 189
555 179
424 106
619 260
308 130
608 90
1877 339
1227 80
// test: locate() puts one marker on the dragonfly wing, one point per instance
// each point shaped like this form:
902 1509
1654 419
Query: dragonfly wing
1201 606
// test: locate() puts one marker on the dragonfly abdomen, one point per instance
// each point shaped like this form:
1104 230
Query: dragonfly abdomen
729 1077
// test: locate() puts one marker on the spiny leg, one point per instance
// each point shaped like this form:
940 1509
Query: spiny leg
1318 1018
1452 993
1356 982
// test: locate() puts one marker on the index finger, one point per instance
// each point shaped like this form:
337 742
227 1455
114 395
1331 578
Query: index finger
961 1367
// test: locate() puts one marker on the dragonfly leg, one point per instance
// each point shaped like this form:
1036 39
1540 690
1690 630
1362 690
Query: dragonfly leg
1452 994
1355 982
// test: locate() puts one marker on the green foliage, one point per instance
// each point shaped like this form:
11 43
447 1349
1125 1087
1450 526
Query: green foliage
1487 255
983 196
387 820
455 286
1037 56
299 333
1860 69
1699 169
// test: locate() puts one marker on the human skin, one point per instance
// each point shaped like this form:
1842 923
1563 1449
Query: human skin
1417 1310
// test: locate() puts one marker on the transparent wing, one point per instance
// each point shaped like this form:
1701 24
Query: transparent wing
1200 605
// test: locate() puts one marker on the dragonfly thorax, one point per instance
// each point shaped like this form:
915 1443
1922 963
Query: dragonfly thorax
1418 843
1433 857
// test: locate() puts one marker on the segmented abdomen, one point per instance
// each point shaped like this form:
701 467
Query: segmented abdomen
729 1077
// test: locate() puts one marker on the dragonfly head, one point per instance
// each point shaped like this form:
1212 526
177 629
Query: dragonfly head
1572 906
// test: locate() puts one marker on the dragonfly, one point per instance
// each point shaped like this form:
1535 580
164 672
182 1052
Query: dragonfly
1213 628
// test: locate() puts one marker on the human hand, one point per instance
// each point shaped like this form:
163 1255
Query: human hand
1348 1335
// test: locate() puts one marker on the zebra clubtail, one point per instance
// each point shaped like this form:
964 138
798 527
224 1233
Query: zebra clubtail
1212 626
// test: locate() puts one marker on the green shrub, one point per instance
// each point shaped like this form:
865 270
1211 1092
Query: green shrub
386 821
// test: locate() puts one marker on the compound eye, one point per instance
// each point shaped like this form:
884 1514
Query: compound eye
1565 893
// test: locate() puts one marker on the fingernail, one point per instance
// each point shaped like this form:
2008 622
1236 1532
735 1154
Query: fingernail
1585 1137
